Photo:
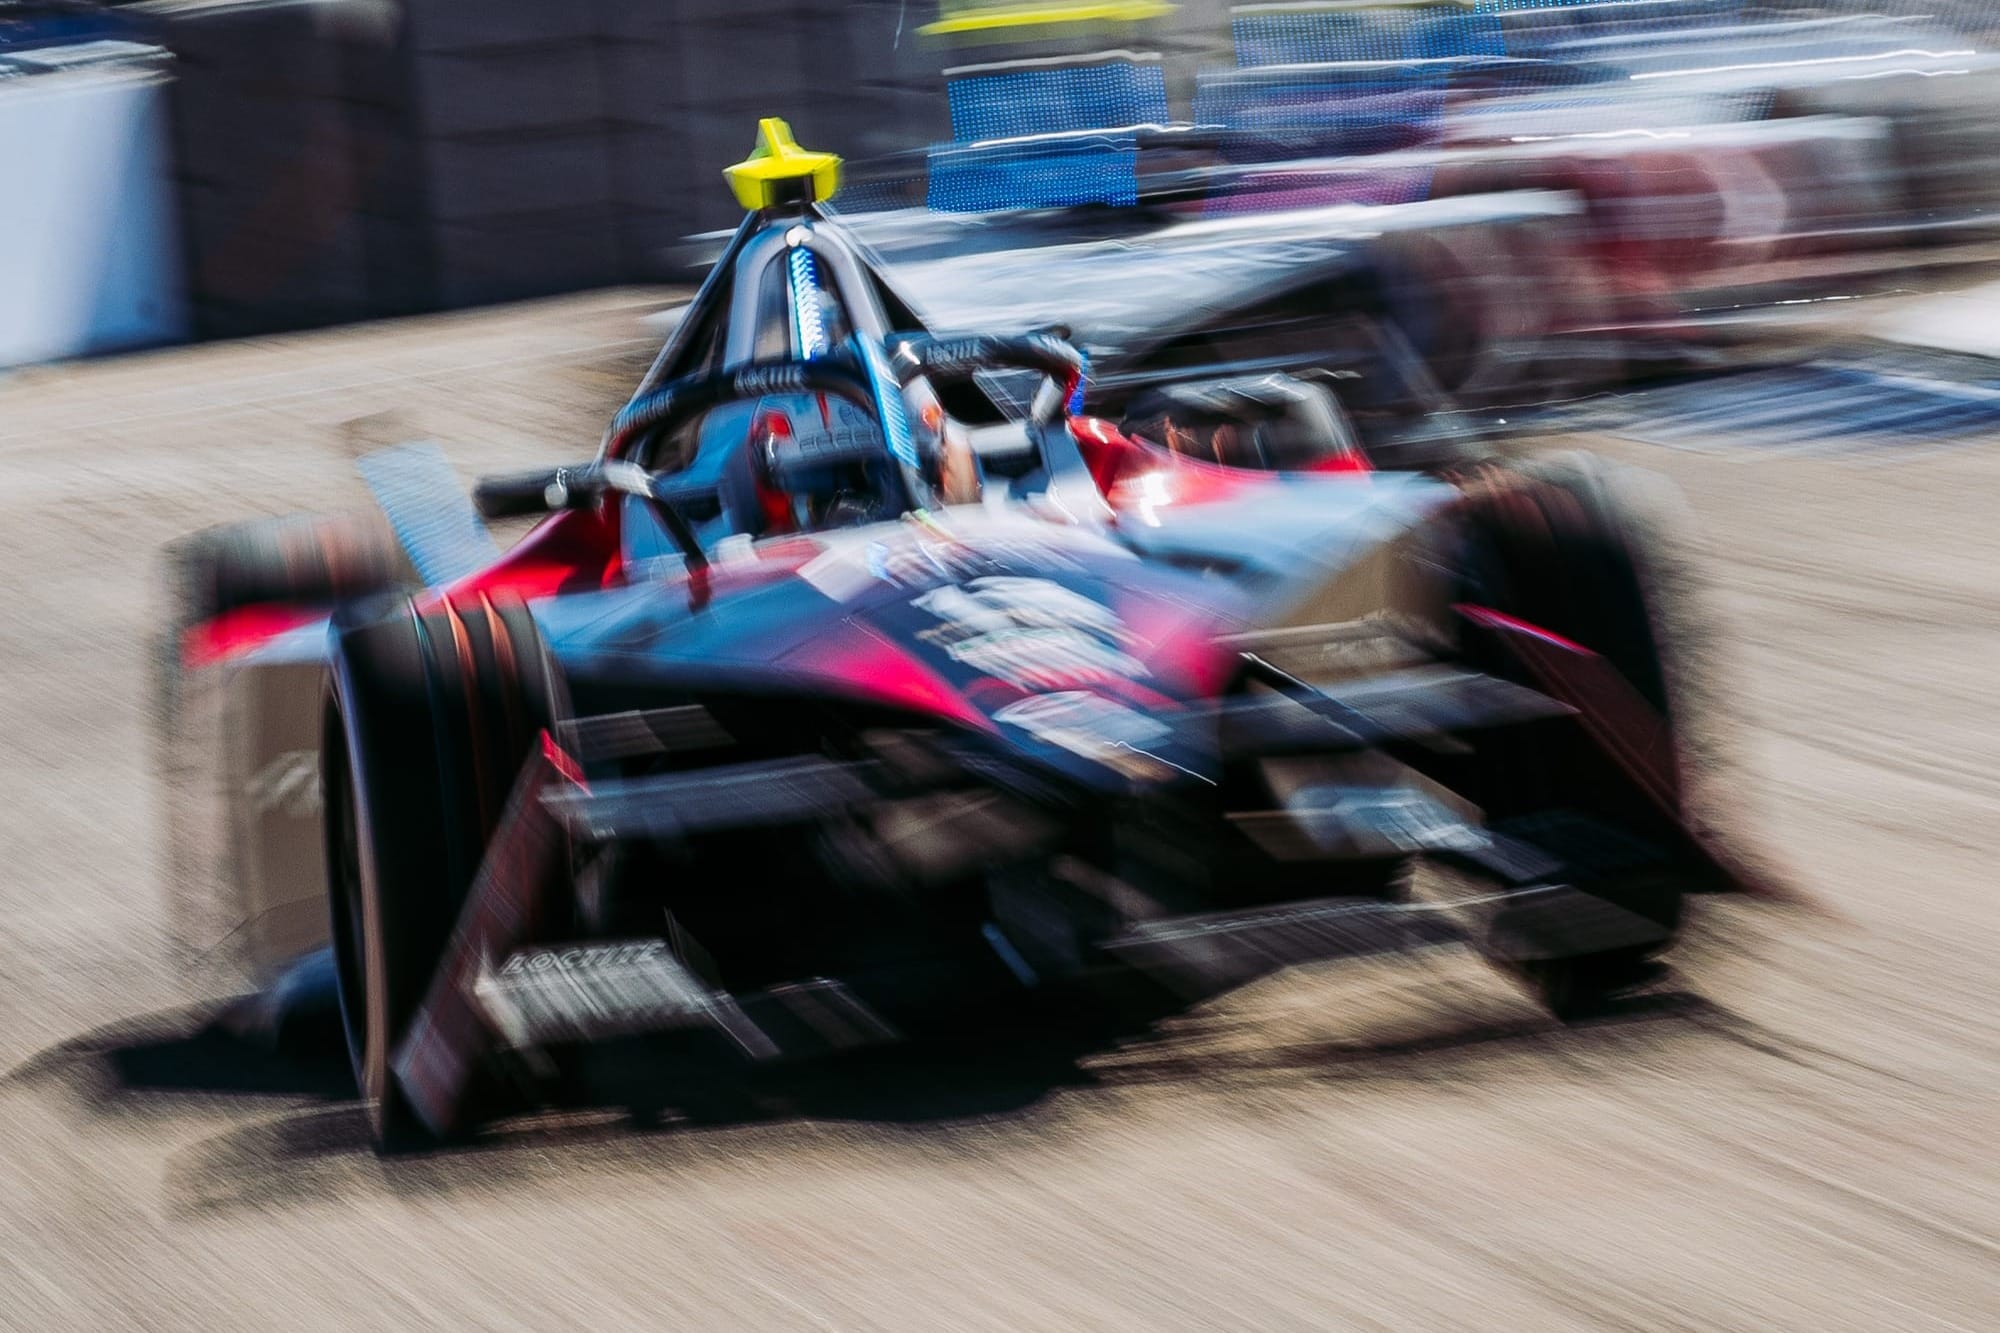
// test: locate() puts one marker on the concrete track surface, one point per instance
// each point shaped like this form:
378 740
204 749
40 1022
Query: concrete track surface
1797 1131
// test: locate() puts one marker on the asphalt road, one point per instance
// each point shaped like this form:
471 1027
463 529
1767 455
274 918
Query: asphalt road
1797 1132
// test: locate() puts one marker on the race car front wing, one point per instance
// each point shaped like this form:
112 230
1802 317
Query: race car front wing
1563 885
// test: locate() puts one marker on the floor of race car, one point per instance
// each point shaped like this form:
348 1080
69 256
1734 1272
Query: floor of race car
1795 1131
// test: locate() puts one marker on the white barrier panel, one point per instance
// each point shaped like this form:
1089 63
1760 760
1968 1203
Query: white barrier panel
89 252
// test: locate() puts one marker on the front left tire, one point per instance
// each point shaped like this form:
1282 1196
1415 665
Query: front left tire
429 715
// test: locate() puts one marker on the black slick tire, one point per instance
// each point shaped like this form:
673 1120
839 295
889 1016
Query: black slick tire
1552 547
429 715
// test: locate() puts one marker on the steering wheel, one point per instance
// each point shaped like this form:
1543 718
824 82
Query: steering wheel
913 355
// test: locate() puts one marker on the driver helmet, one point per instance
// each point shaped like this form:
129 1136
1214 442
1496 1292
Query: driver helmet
814 461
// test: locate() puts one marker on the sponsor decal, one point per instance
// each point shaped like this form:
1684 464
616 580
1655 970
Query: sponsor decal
585 992
1090 719
1095 728
771 379
583 958
922 562
951 549
1032 633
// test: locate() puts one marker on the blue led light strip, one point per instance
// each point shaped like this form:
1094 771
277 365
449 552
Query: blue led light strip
807 320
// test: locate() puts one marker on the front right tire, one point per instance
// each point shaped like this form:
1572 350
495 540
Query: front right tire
1553 545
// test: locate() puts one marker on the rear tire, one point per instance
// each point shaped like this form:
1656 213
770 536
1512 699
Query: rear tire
1550 545
300 559
429 716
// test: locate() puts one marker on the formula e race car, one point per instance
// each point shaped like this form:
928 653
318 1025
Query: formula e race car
810 716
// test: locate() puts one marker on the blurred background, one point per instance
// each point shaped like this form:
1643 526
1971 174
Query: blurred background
198 169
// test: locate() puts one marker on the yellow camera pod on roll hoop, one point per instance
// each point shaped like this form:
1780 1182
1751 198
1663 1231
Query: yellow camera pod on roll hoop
778 171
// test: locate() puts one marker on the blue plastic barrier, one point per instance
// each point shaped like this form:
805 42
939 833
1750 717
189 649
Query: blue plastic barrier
1046 135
